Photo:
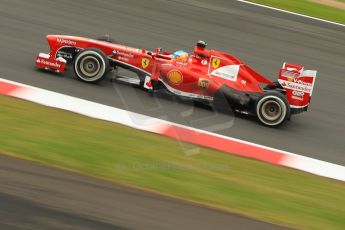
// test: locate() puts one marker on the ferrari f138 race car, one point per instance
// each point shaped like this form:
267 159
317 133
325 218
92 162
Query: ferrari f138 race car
208 75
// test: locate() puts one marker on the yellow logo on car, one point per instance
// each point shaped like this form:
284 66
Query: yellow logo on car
215 62
175 77
203 83
145 62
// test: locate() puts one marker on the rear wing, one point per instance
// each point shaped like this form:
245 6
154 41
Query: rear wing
298 84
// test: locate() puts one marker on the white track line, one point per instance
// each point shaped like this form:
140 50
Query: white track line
147 123
289 12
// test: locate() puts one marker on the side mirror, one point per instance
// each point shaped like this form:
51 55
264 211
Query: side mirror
201 44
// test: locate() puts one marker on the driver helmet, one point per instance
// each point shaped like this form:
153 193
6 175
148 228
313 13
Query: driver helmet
180 54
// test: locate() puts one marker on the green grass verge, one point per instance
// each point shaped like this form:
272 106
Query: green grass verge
308 8
124 155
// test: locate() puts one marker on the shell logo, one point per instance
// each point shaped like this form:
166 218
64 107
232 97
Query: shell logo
175 77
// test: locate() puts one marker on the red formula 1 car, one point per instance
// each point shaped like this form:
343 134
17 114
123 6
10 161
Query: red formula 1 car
206 75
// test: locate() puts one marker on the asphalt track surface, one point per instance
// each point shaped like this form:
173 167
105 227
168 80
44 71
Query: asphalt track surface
261 37
33 196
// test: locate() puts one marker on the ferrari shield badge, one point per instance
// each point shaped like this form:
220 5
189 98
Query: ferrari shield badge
145 62
215 62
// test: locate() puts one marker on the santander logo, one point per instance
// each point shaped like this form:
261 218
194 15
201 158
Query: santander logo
48 63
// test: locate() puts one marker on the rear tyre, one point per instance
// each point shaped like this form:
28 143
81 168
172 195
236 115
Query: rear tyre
272 109
91 65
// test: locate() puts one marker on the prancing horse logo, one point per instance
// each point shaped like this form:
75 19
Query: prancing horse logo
215 62
145 62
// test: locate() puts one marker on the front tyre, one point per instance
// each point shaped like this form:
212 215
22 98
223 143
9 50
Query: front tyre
272 109
91 65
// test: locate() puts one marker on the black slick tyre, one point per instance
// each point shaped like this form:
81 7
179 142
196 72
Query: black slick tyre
91 65
272 109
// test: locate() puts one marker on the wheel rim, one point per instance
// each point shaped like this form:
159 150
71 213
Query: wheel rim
90 66
271 110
